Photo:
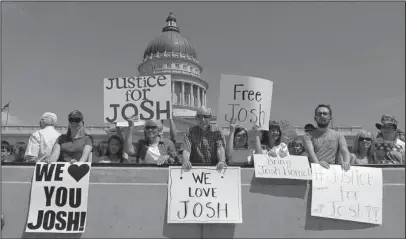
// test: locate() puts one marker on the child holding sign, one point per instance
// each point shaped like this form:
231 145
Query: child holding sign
237 145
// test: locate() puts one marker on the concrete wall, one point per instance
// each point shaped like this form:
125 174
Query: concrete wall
131 203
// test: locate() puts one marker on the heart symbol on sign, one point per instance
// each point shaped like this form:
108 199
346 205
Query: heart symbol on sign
78 172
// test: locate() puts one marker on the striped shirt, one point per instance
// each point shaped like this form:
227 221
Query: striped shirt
203 144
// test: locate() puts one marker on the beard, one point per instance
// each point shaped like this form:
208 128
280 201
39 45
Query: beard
323 125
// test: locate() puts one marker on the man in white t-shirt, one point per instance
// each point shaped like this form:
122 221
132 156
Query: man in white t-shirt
42 141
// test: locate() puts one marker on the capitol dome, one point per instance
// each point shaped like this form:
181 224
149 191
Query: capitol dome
173 54
171 40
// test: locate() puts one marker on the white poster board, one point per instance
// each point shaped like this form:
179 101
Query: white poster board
58 202
290 167
355 195
204 195
148 97
247 99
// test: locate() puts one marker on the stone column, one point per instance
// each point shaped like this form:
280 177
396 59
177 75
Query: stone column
205 98
182 98
173 93
198 96
192 97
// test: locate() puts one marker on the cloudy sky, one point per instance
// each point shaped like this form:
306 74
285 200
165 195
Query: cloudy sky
350 55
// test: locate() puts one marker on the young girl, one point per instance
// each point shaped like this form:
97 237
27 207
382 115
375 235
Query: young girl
237 145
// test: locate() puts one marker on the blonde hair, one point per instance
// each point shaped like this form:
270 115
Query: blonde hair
356 148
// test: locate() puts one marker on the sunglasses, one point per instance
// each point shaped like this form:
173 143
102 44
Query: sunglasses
323 113
151 128
75 120
364 139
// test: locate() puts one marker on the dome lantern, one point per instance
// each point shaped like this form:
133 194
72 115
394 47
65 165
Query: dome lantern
171 23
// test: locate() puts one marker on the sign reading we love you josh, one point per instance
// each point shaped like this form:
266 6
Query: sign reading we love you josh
58 202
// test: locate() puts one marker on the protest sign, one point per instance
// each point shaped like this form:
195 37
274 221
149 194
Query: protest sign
58 202
148 97
245 99
204 195
355 195
290 167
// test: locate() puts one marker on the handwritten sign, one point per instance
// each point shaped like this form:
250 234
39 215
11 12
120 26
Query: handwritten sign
148 97
204 195
355 195
246 99
58 202
292 167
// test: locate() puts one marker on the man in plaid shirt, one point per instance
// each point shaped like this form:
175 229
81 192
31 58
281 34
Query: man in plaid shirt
203 143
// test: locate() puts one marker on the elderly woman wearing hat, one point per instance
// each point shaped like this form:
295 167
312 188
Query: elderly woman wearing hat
271 142
388 149
75 145
153 149
42 141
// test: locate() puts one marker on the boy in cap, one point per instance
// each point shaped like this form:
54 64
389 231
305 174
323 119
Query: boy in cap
388 149
203 143
42 141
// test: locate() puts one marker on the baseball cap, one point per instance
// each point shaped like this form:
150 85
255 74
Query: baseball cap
76 114
387 119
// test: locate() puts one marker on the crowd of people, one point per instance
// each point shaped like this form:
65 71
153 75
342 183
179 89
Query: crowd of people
205 143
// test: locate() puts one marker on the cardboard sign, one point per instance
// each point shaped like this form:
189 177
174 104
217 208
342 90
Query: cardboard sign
246 99
58 202
204 195
291 167
355 195
148 97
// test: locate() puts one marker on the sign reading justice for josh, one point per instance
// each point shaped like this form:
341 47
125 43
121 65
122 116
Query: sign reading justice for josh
204 195
355 195
58 202
148 97
246 99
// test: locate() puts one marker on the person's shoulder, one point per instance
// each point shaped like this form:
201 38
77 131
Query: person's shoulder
334 132
192 129
63 138
400 142
166 141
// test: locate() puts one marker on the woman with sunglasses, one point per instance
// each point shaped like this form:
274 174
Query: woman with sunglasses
362 149
388 149
153 149
75 145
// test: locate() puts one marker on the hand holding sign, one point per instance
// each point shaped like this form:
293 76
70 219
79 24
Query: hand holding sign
233 125
133 119
221 165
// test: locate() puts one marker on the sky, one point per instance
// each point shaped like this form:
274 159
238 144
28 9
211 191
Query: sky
350 55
